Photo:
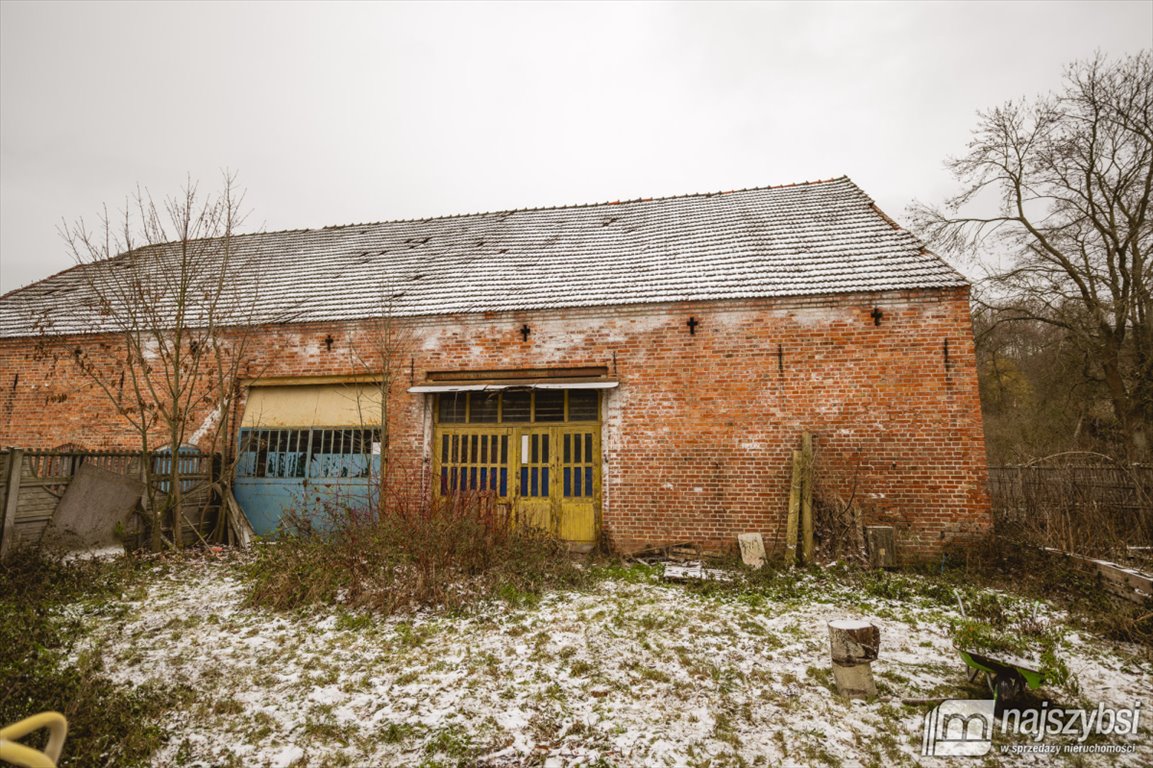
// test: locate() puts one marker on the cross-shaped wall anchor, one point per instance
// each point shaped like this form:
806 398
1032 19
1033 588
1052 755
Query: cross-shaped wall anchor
877 314
692 324
525 331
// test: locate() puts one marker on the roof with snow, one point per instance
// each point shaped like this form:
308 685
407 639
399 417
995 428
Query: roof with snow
822 237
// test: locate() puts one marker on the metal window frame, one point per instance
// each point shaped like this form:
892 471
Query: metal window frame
501 422
261 438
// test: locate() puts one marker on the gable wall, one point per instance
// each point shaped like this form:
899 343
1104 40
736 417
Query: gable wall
697 438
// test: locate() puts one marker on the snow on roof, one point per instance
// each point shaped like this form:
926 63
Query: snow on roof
818 237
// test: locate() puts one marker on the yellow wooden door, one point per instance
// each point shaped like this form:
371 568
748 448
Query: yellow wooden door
548 474
533 502
578 482
472 460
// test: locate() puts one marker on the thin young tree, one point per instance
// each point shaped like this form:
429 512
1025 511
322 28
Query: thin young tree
158 280
1055 195
380 350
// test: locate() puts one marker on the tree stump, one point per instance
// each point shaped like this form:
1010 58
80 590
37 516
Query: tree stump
853 644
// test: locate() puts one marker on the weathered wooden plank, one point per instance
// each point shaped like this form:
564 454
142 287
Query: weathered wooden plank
881 543
1122 581
794 511
35 495
35 510
32 481
807 497
35 503
30 503
1127 577
242 529
695 571
11 501
36 522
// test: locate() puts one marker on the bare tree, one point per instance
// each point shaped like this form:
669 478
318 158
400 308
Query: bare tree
1072 178
158 281
380 350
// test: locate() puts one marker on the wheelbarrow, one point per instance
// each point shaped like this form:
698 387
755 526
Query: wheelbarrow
1006 676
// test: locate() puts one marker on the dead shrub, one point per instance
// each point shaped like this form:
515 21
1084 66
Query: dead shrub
838 530
838 518
444 554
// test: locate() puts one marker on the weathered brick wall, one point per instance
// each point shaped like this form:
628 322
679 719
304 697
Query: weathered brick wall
698 437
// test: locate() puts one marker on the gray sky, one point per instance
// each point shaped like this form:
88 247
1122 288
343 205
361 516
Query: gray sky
335 114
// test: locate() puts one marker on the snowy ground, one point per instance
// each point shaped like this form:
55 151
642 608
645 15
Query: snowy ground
633 672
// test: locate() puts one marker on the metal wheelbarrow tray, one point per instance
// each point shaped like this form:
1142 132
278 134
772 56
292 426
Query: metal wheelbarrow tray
1006 676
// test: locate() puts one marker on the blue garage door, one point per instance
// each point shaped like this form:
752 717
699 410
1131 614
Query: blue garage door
305 475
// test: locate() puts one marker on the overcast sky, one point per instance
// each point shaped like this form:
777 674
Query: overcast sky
335 114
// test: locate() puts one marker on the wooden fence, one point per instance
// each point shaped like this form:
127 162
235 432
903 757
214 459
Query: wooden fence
1090 509
33 482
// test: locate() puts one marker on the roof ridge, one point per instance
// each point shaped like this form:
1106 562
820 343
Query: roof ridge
565 207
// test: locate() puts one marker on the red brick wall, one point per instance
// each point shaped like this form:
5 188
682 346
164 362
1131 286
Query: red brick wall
697 438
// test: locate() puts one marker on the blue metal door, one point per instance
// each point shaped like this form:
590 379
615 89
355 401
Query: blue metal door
306 476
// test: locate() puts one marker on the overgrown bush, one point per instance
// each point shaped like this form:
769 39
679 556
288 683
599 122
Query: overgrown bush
108 724
444 554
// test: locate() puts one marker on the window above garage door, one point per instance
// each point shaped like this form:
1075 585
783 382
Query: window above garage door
313 453
527 396
518 406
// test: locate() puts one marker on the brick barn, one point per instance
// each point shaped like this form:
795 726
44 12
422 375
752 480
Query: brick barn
639 371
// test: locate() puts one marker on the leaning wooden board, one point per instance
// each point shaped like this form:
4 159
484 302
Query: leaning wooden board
1124 582
793 520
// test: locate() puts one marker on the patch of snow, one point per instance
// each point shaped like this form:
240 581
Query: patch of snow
632 673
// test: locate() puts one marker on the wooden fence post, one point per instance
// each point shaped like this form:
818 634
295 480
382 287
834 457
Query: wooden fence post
11 499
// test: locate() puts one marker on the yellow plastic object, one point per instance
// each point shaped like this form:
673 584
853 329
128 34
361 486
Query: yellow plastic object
26 757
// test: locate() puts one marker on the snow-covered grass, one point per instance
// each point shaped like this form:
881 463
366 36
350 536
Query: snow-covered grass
631 671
